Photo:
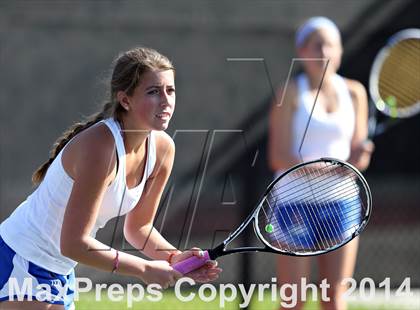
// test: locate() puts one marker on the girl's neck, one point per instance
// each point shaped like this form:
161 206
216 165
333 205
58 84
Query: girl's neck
315 81
134 139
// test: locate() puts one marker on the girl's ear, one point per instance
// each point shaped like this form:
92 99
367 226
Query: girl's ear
300 51
122 98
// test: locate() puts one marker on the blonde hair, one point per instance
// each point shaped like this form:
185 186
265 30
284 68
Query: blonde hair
128 69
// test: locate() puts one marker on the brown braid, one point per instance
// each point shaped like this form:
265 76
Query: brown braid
128 70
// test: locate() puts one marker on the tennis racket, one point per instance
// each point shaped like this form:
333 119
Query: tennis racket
312 208
394 82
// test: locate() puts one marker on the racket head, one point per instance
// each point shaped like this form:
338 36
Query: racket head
313 208
394 77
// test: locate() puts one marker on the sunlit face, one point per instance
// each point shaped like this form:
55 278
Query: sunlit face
152 103
322 43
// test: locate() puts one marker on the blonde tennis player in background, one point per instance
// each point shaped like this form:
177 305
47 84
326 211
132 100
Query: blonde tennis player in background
338 129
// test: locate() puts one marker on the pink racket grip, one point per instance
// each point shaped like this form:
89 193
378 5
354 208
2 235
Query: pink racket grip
192 263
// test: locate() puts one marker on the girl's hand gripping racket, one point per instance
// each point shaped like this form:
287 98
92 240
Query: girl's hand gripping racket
312 208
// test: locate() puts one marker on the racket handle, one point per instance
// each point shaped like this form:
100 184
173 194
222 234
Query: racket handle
192 263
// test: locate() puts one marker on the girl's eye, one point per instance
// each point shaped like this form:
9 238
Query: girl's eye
153 92
171 90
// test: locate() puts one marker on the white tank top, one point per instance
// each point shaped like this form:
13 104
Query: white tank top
33 230
328 134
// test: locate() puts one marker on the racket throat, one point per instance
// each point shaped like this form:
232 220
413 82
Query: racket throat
217 251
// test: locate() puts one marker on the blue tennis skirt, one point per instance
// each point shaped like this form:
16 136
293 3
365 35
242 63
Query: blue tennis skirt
317 226
21 279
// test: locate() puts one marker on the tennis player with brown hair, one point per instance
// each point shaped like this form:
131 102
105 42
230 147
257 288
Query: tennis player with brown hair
115 163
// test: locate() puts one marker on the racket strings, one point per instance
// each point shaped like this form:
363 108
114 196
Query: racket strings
289 180
320 240
288 188
306 214
347 214
307 189
347 190
290 239
399 77
269 219
324 201
322 234
322 192
348 196
325 232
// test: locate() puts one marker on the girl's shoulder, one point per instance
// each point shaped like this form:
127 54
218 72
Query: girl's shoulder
94 147
97 138
165 152
355 87
164 143
286 96
357 92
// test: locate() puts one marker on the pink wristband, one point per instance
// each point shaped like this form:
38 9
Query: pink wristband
116 262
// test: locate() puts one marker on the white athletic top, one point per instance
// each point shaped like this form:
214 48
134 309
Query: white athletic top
328 134
33 230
